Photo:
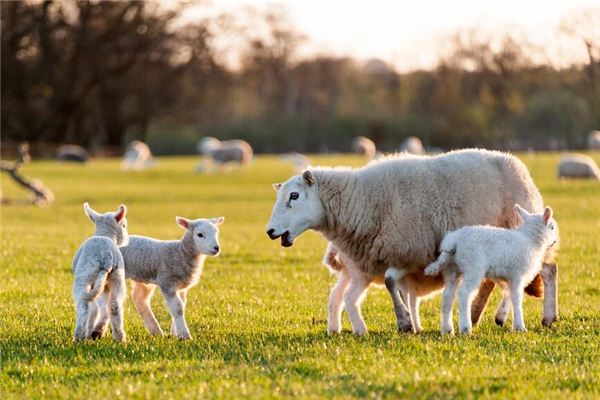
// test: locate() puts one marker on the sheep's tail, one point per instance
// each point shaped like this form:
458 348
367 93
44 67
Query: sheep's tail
99 284
447 251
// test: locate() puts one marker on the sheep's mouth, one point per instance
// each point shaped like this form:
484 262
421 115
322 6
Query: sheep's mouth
286 240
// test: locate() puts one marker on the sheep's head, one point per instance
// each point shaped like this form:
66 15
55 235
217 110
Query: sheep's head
543 221
205 233
296 209
110 224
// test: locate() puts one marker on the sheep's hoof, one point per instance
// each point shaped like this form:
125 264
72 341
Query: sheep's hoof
465 331
499 321
406 328
96 335
333 332
449 332
520 329
547 322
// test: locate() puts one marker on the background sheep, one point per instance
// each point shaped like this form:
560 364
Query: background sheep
412 145
99 275
298 160
594 140
578 166
137 156
72 153
364 146
174 266
395 211
223 153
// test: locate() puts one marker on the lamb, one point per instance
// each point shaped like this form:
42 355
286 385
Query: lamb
412 145
578 166
351 289
138 156
99 276
364 146
477 252
174 266
394 212
594 140
223 153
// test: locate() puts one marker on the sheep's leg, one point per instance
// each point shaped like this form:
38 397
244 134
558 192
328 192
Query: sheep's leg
336 304
516 295
414 301
92 318
504 307
550 278
177 310
142 295
353 296
481 299
82 309
471 282
102 323
116 299
403 320
448 297
183 296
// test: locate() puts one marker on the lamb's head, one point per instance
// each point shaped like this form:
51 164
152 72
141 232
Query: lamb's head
296 209
544 223
204 232
110 224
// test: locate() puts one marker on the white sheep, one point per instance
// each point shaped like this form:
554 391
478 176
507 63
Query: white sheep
138 156
223 153
473 253
99 276
394 212
351 289
594 140
412 145
364 146
578 166
298 160
174 266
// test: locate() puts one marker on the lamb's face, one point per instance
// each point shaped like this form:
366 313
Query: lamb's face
544 221
296 209
205 233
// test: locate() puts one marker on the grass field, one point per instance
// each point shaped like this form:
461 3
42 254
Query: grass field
258 314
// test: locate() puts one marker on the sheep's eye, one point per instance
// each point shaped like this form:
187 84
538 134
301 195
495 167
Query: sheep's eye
200 235
294 196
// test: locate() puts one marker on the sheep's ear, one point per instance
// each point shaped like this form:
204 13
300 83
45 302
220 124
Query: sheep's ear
308 177
218 220
120 214
277 186
93 215
547 214
183 222
522 212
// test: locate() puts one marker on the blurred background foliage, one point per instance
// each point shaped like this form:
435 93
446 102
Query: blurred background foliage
100 74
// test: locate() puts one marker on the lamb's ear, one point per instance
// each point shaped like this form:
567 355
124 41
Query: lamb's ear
522 212
547 214
120 214
277 186
183 222
93 215
308 177
218 220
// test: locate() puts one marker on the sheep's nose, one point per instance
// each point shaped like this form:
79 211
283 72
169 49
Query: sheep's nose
216 248
271 232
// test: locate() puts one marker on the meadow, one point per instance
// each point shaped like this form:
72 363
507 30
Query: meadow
258 314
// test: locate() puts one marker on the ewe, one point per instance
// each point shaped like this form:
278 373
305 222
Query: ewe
223 153
100 275
477 252
174 266
364 146
578 166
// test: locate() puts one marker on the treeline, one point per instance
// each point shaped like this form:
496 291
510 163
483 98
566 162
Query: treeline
102 73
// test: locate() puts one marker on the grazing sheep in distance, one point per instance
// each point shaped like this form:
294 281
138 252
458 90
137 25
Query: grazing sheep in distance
473 253
395 211
578 166
72 153
174 266
298 160
364 146
99 283
412 145
594 140
137 156
223 153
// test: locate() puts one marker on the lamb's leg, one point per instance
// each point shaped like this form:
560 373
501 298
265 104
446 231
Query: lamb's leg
550 278
183 296
471 282
116 299
92 318
142 295
336 304
414 311
481 300
177 310
353 296
448 296
516 295
504 308
403 321
82 311
102 322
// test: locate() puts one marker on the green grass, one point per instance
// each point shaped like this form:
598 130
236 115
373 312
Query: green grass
258 314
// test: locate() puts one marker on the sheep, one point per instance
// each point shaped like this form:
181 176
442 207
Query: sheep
364 146
137 156
412 145
298 160
473 253
414 287
394 212
72 153
174 266
578 166
594 140
99 276
223 153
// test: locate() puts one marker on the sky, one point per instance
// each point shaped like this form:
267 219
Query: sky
411 34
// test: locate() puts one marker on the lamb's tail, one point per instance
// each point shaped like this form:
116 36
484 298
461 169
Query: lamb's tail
446 254
98 285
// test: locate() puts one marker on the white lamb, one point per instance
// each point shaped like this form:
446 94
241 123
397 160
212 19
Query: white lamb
174 266
99 272
473 253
